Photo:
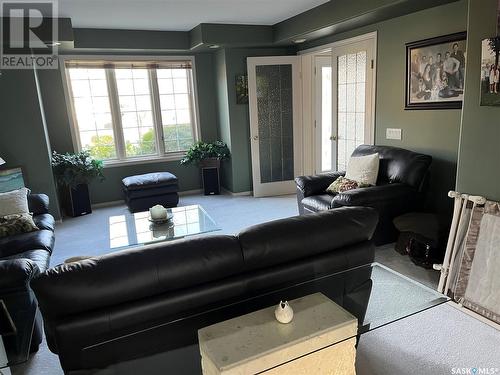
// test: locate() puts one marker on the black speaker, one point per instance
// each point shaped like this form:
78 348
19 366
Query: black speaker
211 184
76 200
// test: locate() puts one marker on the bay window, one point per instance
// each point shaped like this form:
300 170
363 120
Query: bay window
126 111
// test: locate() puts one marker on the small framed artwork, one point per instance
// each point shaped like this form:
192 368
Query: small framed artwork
435 72
241 89
11 179
490 72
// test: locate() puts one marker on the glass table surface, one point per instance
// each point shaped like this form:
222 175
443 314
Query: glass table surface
374 294
135 229
16 328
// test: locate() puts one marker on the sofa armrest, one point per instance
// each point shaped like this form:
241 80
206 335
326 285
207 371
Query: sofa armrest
16 275
374 195
38 203
313 185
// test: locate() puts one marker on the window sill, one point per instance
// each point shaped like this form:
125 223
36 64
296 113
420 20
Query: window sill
144 160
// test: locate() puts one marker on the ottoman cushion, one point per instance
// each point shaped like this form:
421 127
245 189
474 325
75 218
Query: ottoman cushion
149 181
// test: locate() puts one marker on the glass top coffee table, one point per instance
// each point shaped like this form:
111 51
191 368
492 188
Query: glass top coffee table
374 294
136 229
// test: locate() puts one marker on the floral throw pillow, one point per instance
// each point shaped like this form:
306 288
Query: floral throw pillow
342 184
16 224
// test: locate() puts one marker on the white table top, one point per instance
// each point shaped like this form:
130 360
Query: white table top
317 323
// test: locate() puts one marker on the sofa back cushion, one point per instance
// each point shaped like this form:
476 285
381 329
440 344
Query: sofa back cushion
398 164
285 240
135 274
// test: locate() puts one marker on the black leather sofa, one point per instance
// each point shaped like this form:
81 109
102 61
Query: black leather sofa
106 299
24 256
401 185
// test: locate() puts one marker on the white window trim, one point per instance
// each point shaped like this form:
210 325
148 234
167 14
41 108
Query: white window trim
171 156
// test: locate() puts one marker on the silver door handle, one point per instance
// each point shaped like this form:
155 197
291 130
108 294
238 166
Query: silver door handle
333 138
255 137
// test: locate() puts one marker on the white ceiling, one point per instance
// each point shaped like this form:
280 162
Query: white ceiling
181 15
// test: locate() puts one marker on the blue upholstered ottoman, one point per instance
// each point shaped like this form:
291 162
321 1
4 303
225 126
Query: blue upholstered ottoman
146 190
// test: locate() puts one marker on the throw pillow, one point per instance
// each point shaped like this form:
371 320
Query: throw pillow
342 184
16 224
14 202
363 169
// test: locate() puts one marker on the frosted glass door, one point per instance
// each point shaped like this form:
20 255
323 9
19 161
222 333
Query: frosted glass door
352 99
274 119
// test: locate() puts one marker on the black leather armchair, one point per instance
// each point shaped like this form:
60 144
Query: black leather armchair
401 185
23 256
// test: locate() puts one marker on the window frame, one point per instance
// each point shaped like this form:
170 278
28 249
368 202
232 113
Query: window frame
122 159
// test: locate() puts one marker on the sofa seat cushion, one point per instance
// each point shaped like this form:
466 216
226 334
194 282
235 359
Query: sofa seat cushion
39 257
320 202
135 274
42 240
44 221
277 242
149 181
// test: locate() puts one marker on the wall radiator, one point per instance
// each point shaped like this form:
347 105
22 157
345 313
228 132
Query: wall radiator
470 273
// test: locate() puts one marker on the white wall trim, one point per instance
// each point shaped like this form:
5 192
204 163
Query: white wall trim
339 43
190 192
474 315
239 194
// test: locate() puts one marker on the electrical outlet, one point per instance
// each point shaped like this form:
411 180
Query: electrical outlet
392 133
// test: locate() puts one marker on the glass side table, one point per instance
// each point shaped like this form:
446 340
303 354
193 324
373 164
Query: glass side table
17 319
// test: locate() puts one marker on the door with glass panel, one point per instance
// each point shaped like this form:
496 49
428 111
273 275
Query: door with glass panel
344 87
275 123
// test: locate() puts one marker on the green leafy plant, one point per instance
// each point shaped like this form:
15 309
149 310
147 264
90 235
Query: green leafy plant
75 169
201 151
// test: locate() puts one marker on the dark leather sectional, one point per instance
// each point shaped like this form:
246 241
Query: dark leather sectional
101 299
23 256
401 185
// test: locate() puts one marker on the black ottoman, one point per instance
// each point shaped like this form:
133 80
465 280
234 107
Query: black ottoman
146 190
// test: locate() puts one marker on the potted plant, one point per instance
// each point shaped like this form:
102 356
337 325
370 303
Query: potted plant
73 173
208 157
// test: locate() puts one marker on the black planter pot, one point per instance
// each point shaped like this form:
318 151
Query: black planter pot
210 174
76 201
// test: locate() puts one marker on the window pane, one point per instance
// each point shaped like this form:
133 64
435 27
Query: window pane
175 103
89 93
136 110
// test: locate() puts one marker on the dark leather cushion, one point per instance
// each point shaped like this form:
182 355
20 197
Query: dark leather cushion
311 185
38 203
321 202
373 195
156 191
40 257
38 240
44 221
277 242
398 164
149 181
134 274
16 274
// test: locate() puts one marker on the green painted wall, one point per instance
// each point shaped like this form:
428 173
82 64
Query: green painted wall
234 121
110 190
478 171
435 132
22 134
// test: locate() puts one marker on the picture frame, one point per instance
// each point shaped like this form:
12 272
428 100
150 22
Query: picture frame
11 179
435 72
490 72
241 89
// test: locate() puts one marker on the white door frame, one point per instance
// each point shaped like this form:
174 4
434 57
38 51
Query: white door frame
309 130
282 187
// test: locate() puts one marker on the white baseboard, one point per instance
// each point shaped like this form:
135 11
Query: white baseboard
107 204
240 194
474 315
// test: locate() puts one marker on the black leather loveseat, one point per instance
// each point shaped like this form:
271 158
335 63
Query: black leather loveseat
24 256
401 185
105 299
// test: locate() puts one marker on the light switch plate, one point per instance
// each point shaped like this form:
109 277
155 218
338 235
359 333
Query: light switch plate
393 133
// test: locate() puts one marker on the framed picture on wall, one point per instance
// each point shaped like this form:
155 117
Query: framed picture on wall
11 179
241 89
490 72
435 72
